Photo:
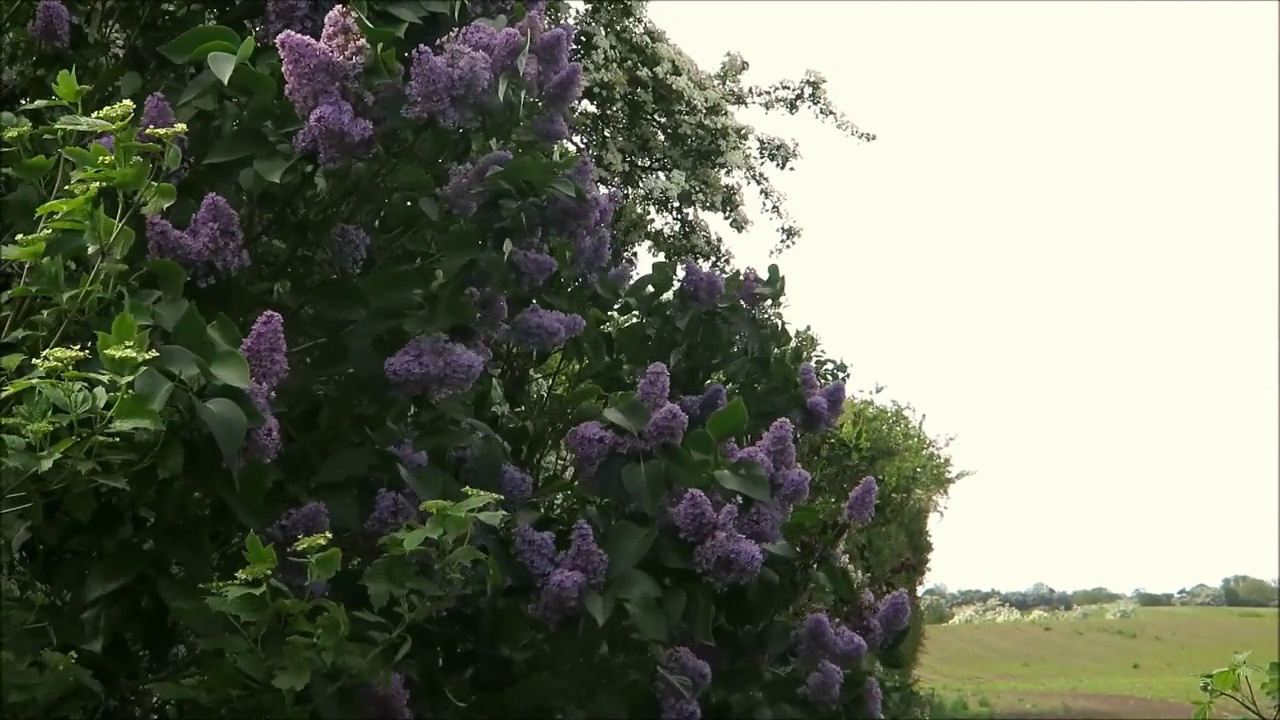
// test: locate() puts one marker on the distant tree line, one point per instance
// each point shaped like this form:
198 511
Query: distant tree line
1234 591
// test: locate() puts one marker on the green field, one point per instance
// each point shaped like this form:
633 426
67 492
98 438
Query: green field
1135 667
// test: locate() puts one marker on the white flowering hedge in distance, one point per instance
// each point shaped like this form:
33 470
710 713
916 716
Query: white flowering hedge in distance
994 611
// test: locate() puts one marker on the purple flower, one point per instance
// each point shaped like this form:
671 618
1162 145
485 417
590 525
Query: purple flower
544 330
713 399
677 707
156 113
537 550
590 443
334 133
51 24
551 48
747 293
390 701
349 245
303 521
562 596
166 241
873 698
791 487
666 426
822 687
462 193
266 351
551 127
343 38
584 555
757 455
681 661
564 88
106 141
808 380
515 483
815 637
779 445
703 287
490 305
408 457
834 394
312 73
449 87
762 522
216 228
894 613
846 646
861 505
300 16
621 275
434 365
728 558
391 511
694 516
654 387
534 267
263 442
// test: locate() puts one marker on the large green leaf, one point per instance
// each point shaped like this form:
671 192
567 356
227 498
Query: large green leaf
626 544
228 424
181 48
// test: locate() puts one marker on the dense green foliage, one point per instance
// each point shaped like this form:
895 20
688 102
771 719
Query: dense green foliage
1247 686
252 471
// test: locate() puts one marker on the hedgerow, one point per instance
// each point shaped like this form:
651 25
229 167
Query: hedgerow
327 393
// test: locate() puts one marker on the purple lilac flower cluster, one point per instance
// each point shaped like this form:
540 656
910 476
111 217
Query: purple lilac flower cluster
462 193
825 646
861 505
873 698
454 85
434 365
562 580
722 554
702 287
823 405
514 484
266 352
408 457
51 24
700 407
881 621
775 454
301 16
667 422
299 522
390 700
747 291
211 246
349 245
157 113
322 81
584 222
391 511
676 702
542 330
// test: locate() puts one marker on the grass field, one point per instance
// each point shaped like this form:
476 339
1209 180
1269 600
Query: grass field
1135 667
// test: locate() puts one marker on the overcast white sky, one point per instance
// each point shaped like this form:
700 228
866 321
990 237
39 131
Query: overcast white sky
1062 248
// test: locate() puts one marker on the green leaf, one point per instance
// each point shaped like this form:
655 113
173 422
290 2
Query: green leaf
228 424
157 197
755 487
255 553
599 607
325 565
222 64
635 585
153 388
648 619
230 368
728 421
404 650
626 544
239 144
67 88
643 481
781 549
629 414
124 328
414 538
135 412
272 168
33 168
292 677
204 51
179 50
673 604
246 49
82 123
700 444
352 462
199 85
